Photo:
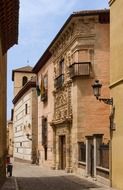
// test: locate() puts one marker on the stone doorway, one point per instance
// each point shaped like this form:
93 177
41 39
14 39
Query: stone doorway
62 151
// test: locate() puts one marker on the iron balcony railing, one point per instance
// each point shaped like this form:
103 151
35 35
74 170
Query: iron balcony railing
80 69
59 81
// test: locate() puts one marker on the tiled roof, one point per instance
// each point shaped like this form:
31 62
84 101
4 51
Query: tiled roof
91 12
9 16
26 69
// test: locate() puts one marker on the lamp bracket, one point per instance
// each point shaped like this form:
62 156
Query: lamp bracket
108 101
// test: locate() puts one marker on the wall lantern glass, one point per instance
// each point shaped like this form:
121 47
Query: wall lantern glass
97 88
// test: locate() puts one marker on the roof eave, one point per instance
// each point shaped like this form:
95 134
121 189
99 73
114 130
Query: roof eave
27 86
41 62
9 19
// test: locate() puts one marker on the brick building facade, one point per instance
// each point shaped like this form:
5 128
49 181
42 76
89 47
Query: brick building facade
77 56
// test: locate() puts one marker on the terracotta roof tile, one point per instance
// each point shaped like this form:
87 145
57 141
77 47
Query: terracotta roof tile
9 16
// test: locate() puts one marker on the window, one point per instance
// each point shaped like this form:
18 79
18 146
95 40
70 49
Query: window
82 152
26 109
104 155
24 80
44 131
60 79
61 67
20 143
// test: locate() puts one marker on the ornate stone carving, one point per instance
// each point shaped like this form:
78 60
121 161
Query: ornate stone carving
62 107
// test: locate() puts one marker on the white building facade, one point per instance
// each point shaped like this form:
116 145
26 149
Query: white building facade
25 118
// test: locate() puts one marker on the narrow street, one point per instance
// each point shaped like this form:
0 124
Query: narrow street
32 177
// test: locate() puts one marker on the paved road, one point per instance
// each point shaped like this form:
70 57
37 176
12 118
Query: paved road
54 183
31 177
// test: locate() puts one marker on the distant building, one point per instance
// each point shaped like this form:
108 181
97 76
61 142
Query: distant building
25 114
9 14
10 138
116 87
73 127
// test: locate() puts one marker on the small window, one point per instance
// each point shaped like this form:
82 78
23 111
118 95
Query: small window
20 143
44 131
82 152
26 109
59 80
61 67
24 80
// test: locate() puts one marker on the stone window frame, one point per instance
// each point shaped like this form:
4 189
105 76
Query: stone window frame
81 147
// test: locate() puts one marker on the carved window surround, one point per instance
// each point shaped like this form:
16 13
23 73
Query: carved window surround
59 81
62 105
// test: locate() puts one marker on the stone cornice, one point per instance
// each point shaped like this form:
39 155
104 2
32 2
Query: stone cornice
87 36
61 121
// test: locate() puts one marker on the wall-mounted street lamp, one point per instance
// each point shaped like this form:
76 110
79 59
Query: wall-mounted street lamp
28 136
97 92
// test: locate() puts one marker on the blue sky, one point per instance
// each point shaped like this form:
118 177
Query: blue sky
39 22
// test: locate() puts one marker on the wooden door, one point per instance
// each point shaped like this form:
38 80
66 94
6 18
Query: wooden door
62 152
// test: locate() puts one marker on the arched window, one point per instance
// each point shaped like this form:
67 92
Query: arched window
24 80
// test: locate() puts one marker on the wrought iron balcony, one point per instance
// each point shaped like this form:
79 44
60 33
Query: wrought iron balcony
80 69
59 81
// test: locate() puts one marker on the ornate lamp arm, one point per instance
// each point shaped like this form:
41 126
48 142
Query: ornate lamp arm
108 101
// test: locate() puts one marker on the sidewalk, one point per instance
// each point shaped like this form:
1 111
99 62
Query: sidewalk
10 184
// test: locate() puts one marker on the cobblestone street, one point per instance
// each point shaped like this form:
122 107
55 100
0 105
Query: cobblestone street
32 177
